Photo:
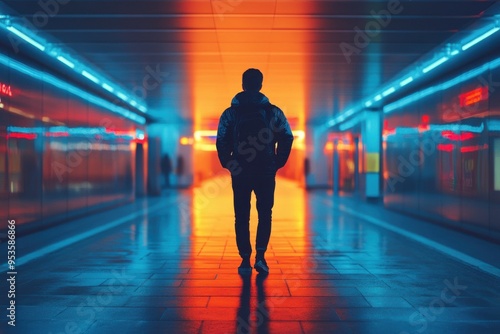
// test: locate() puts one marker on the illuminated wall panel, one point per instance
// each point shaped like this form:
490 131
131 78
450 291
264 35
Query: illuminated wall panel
62 151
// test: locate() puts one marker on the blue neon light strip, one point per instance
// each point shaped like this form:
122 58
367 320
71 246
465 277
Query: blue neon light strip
49 49
389 91
457 128
340 118
480 38
108 87
90 76
406 81
122 96
349 112
56 82
443 86
28 39
65 61
139 134
493 125
435 64
349 124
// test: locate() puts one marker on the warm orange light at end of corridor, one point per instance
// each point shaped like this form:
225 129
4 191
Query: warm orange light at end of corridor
207 163
218 57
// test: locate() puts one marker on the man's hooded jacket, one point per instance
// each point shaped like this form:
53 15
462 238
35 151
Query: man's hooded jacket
227 150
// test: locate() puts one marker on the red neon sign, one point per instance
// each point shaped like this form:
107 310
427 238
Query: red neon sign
5 89
20 135
457 137
446 147
474 96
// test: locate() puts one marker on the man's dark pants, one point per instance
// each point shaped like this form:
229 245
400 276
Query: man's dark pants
263 186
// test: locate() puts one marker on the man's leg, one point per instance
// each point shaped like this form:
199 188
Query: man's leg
242 192
264 191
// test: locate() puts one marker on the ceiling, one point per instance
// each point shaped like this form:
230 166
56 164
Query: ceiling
198 49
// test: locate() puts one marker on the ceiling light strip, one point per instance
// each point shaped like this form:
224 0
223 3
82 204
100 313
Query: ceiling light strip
80 68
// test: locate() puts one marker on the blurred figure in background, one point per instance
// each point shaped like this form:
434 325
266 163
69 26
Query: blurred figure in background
166 169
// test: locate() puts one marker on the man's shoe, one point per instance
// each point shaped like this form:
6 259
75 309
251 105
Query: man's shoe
245 267
261 266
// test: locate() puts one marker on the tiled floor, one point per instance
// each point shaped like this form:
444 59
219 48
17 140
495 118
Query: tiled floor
173 270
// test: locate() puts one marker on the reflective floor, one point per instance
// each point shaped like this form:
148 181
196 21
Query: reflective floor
170 267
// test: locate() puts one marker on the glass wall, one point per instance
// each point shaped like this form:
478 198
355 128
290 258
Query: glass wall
61 154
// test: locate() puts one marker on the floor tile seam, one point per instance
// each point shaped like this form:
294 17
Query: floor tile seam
88 330
200 329
303 331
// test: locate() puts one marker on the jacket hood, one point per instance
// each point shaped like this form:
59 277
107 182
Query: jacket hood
247 97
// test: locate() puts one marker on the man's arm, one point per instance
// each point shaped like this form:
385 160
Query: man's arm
224 141
284 138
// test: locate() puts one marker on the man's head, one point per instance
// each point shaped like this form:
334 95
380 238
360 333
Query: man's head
252 80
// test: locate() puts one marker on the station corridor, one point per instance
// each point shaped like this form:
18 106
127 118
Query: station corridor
169 265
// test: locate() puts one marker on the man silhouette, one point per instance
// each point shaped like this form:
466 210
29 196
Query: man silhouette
254 140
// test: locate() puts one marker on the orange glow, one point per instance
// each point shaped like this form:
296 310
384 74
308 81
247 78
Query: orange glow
213 214
186 141
388 132
200 135
423 127
299 141
344 147
219 55
204 140
328 147
300 135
